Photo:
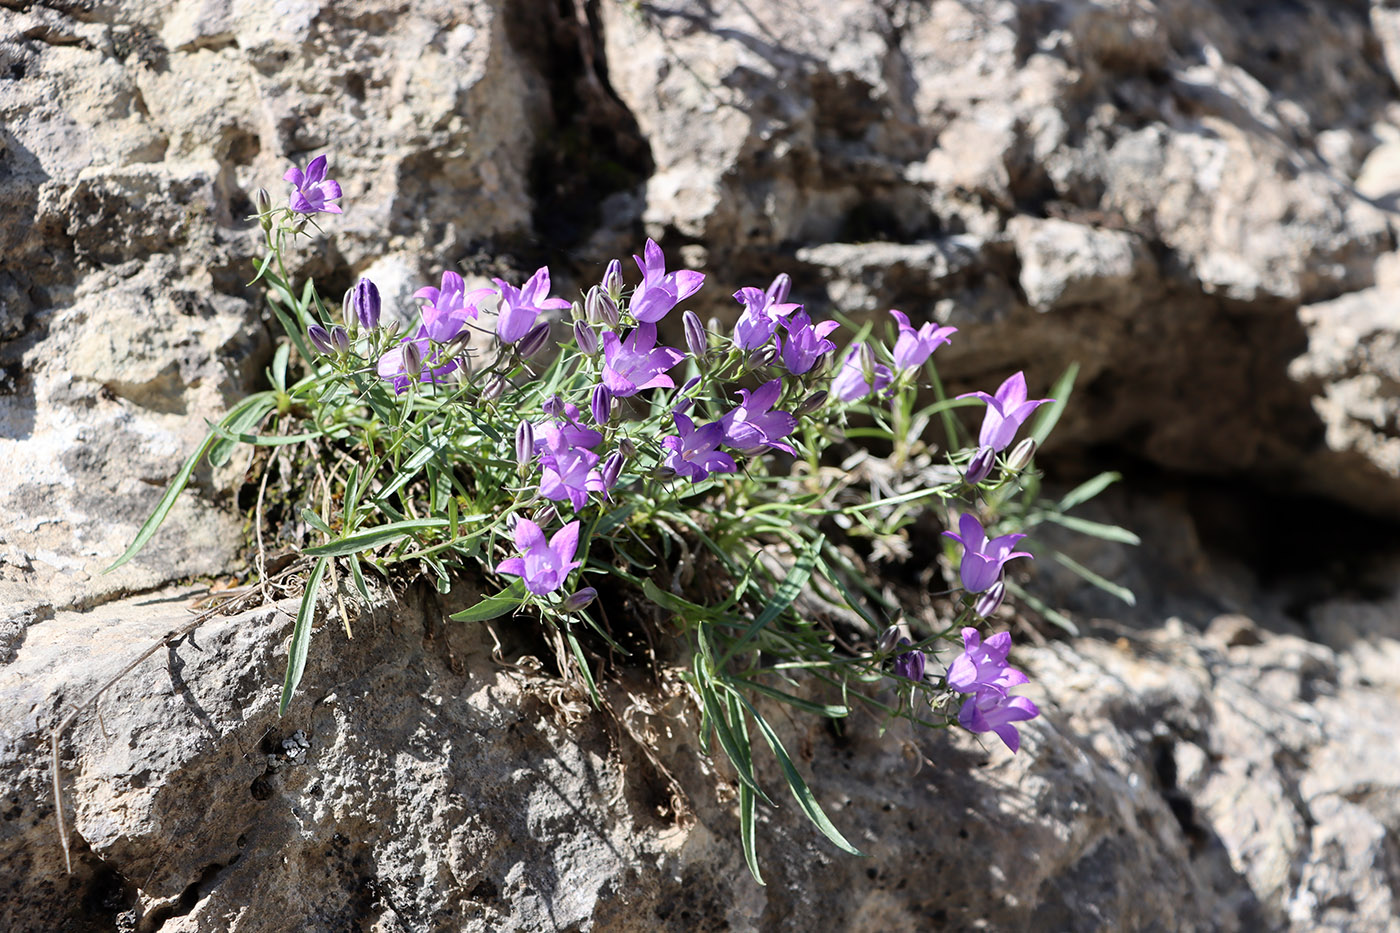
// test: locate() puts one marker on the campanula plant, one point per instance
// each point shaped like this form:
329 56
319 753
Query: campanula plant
561 455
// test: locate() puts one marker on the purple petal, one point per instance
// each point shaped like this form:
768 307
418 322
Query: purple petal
515 566
316 170
565 541
527 535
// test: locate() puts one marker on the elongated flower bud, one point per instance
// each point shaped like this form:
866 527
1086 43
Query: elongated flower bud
911 665
608 312
601 404
533 341
1021 454
579 599
412 359
696 339
889 639
586 338
340 339
778 291
612 469
494 389
980 466
990 600
576 311
612 279
546 516
364 300
262 203
811 403
690 385
553 406
524 445
321 339
760 357
592 307
867 363
627 448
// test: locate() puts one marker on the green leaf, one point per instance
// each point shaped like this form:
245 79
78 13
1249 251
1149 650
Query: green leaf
834 711
301 635
743 763
314 520
1049 415
374 537
493 607
1039 605
277 374
1095 529
182 478
746 831
237 422
1108 586
782 598
577 650
806 800
1085 491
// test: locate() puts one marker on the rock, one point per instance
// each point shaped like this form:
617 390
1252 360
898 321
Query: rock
1065 264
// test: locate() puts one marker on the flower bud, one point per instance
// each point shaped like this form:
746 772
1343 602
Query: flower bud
321 339
867 363
546 515
990 600
761 357
299 226
364 300
494 389
911 665
696 339
412 359
627 448
811 403
534 340
586 339
553 406
576 310
608 312
262 203
579 599
690 385
889 638
601 404
682 406
980 466
340 339
592 307
1021 454
524 445
612 279
778 291
612 469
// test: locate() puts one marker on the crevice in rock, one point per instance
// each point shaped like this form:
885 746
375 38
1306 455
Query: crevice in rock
594 149
189 898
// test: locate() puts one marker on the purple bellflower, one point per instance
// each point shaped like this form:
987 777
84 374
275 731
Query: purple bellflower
983 559
520 306
762 312
982 671
637 363
806 342
659 291
312 191
691 451
753 424
446 310
851 383
915 346
569 472
544 566
1006 412
570 430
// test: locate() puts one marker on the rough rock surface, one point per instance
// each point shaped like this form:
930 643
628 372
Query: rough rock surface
1193 200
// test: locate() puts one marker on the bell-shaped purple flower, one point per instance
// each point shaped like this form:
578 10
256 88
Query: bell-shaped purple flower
312 191
1006 411
568 424
852 383
692 452
752 423
568 472
806 342
660 291
913 347
983 559
544 566
520 306
760 319
637 363
446 310
995 711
